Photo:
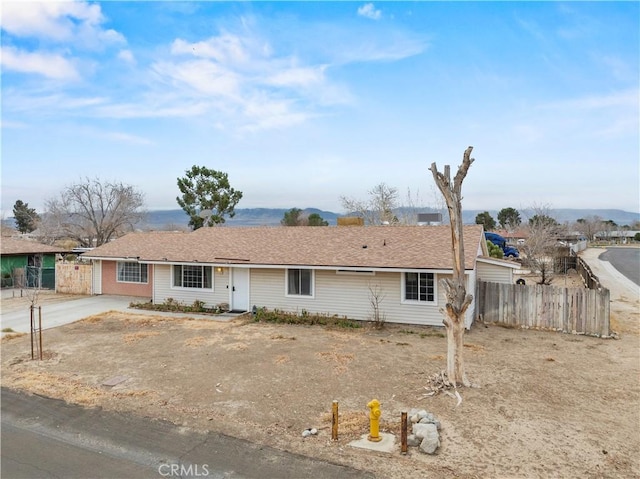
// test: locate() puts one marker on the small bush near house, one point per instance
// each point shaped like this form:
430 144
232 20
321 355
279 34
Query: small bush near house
431 332
304 318
172 306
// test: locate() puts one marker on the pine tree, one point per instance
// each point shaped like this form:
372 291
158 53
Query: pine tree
26 218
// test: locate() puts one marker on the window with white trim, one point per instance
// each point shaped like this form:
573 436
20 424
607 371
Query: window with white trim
132 272
300 282
419 287
192 276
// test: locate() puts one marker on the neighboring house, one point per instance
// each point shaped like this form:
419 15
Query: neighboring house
514 238
624 236
494 270
27 263
325 270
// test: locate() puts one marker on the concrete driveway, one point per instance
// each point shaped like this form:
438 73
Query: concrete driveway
58 313
58 309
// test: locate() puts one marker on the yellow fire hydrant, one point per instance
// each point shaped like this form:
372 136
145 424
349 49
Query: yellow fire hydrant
374 420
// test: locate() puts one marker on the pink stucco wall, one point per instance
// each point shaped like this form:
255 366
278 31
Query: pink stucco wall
110 284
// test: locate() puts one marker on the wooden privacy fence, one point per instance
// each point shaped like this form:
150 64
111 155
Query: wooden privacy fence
570 310
73 278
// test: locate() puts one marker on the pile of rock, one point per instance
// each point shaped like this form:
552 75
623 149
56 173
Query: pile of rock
424 429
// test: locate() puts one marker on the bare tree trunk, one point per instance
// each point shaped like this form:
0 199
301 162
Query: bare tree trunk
457 298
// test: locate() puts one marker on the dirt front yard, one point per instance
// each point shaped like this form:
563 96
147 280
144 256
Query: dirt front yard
547 405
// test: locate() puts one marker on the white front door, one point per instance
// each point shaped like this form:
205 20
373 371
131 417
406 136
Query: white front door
240 289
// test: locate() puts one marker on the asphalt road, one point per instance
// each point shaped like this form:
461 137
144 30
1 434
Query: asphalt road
624 259
47 438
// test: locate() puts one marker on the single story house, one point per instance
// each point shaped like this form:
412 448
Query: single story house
27 263
324 270
622 236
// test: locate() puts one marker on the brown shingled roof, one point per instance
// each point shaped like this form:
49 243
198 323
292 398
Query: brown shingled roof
363 247
12 246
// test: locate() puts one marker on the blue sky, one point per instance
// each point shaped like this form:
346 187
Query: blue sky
302 103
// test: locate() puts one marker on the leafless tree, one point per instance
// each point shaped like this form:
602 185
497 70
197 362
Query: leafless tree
378 208
92 212
589 226
541 245
458 300
376 296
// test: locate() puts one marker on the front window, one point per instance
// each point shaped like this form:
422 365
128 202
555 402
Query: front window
419 287
132 272
192 276
299 282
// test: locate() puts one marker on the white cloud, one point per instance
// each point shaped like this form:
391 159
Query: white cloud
12 124
298 76
167 108
202 76
369 11
245 82
49 65
16 101
226 48
58 22
264 113
127 56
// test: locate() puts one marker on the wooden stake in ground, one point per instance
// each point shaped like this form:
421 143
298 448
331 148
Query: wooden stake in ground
456 295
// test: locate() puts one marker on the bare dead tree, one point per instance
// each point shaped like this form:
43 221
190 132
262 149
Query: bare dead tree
540 248
378 209
92 212
458 300
376 297
408 211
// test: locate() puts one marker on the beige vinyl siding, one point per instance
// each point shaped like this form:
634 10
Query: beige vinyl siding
493 273
163 288
96 282
345 295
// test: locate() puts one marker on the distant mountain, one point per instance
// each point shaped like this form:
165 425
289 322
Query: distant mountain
243 217
566 215
162 219
177 219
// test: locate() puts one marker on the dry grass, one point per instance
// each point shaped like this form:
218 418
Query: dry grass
351 423
340 360
236 346
139 320
280 336
282 358
131 338
68 389
195 342
96 318
53 385
621 326
9 336
474 347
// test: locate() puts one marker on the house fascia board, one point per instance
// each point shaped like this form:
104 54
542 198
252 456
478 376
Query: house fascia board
114 258
281 266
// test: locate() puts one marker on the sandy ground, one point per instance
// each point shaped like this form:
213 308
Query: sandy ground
548 405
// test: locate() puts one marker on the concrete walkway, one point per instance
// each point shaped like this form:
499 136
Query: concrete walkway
621 287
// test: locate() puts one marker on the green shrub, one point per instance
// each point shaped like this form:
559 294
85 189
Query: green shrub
170 305
303 318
